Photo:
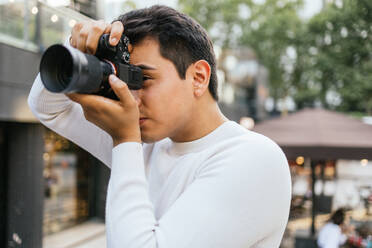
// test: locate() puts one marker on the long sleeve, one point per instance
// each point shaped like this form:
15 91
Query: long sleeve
65 117
130 220
238 198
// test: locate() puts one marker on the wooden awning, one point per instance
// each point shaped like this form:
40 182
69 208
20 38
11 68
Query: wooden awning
319 134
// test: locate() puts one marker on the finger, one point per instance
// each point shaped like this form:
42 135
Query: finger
117 30
135 94
91 102
121 90
75 34
83 99
74 97
130 48
97 30
108 28
82 39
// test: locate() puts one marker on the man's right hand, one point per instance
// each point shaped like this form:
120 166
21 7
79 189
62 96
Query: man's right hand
85 35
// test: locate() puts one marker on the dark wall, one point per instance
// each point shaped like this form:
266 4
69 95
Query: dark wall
18 69
21 148
3 186
24 196
100 178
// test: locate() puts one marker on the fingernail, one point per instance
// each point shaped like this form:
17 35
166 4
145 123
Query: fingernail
113 78
113 40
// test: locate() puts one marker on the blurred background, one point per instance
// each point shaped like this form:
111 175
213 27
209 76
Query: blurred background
297 71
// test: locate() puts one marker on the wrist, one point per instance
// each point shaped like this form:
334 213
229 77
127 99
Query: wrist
120 141
134 137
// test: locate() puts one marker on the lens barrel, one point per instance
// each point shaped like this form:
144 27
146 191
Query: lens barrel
65 70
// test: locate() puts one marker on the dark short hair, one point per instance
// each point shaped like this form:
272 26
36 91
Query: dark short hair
181 39
338 217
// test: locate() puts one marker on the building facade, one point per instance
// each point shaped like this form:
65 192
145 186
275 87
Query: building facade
47 183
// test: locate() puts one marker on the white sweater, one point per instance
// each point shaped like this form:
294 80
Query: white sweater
229 189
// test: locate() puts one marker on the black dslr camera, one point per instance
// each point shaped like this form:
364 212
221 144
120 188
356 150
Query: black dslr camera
66 69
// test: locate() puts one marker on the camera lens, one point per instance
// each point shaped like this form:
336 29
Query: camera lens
66 69
56 68
65 72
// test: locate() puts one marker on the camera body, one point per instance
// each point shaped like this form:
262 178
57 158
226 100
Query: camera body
118 56
67 70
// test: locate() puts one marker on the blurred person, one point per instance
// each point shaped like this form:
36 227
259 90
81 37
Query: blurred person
362 237
182 174
334 233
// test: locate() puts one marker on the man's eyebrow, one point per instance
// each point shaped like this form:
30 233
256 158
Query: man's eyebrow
146 67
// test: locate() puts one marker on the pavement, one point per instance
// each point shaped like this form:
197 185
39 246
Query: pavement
90 234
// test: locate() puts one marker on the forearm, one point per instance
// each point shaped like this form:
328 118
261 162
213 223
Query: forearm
59 113
44 104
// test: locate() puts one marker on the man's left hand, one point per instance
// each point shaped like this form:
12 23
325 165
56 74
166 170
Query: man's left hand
120 118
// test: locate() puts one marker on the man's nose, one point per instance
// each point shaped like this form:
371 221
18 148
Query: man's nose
137 96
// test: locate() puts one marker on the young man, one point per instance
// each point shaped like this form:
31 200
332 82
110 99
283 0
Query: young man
198 180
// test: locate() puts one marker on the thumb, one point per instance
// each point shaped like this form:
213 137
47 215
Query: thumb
121 90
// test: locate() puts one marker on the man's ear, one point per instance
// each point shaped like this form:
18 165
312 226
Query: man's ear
201 75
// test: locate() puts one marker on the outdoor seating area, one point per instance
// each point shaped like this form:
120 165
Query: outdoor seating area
317 137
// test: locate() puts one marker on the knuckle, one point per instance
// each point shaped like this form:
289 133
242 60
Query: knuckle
108 27
97 27
78 26
83 34
120 85
90 47
123 87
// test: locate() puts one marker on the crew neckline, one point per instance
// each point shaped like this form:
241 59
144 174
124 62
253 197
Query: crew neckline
181 148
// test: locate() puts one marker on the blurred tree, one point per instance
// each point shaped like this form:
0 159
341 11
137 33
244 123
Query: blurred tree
128 5
338 57
269 27
274 32
325 61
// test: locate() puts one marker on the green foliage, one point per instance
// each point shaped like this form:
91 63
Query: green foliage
342 37
270 29
128 5
330 54
273 34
